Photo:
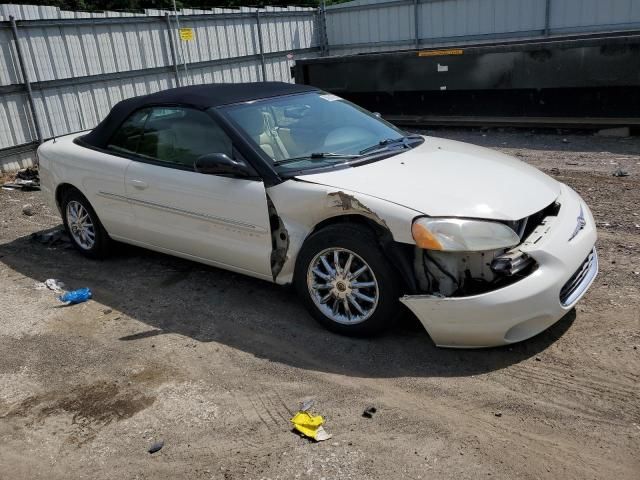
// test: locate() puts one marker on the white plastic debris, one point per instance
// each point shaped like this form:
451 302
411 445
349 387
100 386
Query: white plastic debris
51 284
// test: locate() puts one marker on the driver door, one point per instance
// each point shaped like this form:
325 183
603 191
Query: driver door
221 220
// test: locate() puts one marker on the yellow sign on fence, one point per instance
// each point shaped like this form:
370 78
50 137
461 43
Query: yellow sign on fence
186 34
437 53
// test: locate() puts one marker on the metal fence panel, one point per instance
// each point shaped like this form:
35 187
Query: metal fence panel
8 69
460 18
374 24
58 52
577 14
28 12
15 120
379 25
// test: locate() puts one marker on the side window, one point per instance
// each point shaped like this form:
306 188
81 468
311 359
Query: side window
126 139
177 135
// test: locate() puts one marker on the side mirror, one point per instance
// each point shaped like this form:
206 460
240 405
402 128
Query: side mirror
221 164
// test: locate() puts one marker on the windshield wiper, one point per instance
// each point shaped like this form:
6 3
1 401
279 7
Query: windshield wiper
317 156
391 141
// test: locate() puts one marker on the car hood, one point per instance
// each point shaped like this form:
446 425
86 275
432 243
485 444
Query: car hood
449 178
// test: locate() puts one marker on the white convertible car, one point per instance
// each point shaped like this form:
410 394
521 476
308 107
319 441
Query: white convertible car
293 185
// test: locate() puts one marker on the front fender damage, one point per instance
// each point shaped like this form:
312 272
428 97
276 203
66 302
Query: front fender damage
296 207
349 203
279 240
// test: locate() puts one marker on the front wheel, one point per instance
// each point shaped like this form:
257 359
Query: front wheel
346 282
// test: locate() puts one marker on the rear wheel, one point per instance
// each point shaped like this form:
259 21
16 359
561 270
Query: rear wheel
346 282
83 225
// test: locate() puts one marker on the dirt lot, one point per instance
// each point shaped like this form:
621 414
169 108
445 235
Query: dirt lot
214 363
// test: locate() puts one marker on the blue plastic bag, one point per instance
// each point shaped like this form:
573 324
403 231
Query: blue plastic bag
76 296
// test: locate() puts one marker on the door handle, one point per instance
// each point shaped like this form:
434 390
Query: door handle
139 184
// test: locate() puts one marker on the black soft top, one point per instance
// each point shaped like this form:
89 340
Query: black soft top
197 96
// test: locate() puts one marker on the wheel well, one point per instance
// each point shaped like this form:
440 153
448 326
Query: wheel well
61 191
378 229
398 254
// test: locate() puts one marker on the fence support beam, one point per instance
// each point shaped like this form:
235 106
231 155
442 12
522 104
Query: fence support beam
134 74
416 22
260 46
318 27
322 25
547 17
25 79
172 47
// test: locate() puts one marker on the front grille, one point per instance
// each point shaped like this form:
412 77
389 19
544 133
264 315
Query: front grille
580 280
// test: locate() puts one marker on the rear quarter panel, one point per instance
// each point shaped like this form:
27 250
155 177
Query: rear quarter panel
93 173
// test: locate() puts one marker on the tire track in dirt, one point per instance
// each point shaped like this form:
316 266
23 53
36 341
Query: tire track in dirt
615 396
439 411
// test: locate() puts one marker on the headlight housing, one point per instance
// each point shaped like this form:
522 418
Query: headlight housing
462 235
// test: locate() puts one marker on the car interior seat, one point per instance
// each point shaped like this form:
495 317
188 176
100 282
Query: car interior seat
261 129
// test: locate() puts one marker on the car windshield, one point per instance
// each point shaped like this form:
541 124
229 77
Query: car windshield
312 130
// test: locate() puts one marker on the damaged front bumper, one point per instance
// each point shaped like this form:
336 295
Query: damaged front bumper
567 264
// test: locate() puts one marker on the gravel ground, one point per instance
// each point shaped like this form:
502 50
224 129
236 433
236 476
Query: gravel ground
214 363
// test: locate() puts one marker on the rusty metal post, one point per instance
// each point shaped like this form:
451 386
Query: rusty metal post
172 47
25 79
547 17
416 22
323 29
260 46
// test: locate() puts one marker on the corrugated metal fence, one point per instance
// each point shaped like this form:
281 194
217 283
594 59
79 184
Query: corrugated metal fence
379 25
78 65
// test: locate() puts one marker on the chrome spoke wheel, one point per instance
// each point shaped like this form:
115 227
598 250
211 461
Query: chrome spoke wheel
342 286
80 225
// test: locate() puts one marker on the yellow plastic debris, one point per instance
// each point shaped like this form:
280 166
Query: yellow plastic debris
310 426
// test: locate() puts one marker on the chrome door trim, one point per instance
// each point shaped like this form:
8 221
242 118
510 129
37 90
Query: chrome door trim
187 213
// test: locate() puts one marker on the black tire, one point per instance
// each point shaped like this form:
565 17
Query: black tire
102 244
361 241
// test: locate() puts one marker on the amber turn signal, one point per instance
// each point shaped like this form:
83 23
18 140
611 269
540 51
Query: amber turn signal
424 238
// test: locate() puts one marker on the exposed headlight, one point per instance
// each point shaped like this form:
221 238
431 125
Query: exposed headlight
462 235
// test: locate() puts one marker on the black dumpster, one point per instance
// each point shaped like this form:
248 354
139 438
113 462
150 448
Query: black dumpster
586 80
